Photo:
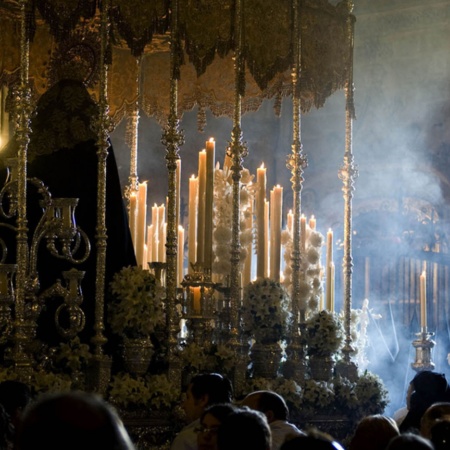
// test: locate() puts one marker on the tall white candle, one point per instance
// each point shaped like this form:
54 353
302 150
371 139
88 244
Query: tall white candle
276 197
149 244
290 221
329 269
209 201
141 224
260 229
201 206
192 238
161 237
303 232
178 191
155 232
133 217
423 300
266 234
180 255
247 275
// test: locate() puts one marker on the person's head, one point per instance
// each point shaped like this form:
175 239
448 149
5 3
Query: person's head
205 390
409 441
73 421
440 435
269 403
14 396
374 433
430 385
244 429
65 116
435 413
312 440
210 421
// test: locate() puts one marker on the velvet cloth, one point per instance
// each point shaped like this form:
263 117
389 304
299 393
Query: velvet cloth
72 172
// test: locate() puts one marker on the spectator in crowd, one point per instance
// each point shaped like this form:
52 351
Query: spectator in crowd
427 387
409 441
312 440
244 429
72 421
434 414
440 435
276 411
374 433
210 421
203 390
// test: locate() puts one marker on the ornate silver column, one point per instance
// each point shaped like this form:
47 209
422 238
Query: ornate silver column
348 173
22 360
296 162
172 138
101 364
237 151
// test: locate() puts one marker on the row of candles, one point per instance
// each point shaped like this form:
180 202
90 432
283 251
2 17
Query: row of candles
150 239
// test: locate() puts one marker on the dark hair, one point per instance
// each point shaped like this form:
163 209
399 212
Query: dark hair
271 401
440 435
244 429
313 440
215 386
374 433
409 441
73 421
220 411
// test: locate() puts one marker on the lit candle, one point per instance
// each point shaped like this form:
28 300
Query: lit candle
332 287
155 229
209 201
266 238
423 301
3 283
133 215
196 300
161 237
303 231
247 276
290 221
180 254
312 223
178 191
201 206
329 269
192 238
149 243
260 205
276 197
141 223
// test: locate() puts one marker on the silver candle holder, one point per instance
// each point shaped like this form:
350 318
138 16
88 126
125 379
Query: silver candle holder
423 345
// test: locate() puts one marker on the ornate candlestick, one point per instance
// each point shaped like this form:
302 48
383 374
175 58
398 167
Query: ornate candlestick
296 162
423 345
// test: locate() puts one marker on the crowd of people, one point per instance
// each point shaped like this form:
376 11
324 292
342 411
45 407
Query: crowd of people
216 421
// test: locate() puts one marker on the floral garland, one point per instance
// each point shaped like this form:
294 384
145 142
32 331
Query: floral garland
154 392
137 308
265 309
310 288
324 334
223 213
339 396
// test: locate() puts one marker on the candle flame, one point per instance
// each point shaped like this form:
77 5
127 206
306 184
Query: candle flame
211 139
262 166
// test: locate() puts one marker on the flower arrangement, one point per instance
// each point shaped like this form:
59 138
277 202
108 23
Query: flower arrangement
311 286
265 310
210 358
324 334
223 204
137 307
153 392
